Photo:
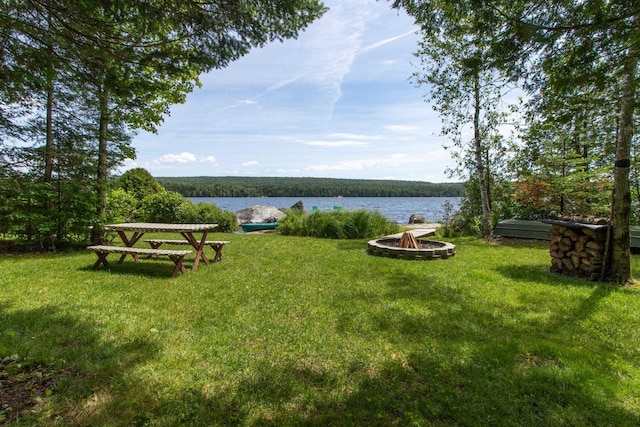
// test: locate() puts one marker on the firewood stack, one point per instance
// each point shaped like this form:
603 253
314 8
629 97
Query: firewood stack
578 251
408 240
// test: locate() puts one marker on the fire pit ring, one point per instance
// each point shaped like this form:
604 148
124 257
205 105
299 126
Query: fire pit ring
429 249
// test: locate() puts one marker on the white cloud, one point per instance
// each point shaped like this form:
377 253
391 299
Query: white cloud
208 159
250 163
184 157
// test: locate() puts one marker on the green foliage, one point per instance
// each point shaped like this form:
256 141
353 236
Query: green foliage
208 213
357 224
46 215
165 206
448 228
468 219
121 206
293 223
5 347
171 207
207 186
139 183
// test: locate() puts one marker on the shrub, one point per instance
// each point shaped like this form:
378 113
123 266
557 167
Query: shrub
292 223
162 207
171 207
207 213
139 183
121 206
359 224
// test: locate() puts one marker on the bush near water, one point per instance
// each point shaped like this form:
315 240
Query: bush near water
357 224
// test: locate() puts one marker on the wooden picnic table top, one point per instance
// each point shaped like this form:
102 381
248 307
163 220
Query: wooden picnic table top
149 227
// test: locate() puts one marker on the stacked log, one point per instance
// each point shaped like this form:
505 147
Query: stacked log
408 240
578 251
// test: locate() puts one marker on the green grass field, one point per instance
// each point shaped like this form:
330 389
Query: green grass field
305 331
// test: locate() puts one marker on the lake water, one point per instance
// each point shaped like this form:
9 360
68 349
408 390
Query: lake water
396 209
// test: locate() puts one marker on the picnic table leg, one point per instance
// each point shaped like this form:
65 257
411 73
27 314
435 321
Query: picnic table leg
218 249
102 259
154 245
129 243
179 266
198 246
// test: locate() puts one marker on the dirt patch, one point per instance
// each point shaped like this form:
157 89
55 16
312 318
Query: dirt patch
22 386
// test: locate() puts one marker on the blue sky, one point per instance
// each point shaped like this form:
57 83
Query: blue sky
337 102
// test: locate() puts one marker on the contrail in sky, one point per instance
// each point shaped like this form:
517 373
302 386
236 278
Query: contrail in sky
386 41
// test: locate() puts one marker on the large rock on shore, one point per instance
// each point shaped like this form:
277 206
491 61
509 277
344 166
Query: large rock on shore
259 213
416 219
298 206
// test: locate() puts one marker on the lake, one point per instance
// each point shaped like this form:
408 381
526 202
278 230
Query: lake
396 209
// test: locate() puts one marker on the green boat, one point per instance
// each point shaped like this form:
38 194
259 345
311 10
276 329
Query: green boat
258 226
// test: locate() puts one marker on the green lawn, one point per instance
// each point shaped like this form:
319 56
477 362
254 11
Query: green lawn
304 331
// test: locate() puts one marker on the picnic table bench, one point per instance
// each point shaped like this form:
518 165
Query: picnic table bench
139 229
216 245
103 251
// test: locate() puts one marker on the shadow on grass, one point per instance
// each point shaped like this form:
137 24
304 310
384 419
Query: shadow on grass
457 361
157 268
91 370
418 390
475 365
540 274
453 360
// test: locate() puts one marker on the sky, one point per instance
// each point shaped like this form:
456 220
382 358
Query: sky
336 102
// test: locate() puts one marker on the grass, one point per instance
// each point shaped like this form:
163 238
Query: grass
305 331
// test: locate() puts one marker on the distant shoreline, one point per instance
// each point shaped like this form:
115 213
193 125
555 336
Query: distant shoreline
210 186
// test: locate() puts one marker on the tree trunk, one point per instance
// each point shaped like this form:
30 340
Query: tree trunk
49 152
97 236
621 209
49 157
480 167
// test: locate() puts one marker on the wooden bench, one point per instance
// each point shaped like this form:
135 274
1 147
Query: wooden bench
103 251
216 245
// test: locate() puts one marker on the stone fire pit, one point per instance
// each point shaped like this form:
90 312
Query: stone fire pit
428 249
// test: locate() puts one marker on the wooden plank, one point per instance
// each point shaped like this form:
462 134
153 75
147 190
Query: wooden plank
184 242
139 251
103 251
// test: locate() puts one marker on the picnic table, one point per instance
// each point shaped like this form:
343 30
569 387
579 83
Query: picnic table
186 230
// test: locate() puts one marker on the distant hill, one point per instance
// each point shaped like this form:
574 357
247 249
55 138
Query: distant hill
228 186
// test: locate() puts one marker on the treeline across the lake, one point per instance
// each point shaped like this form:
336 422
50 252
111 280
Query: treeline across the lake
207 186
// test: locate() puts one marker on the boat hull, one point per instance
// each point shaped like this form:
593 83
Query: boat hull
258 226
